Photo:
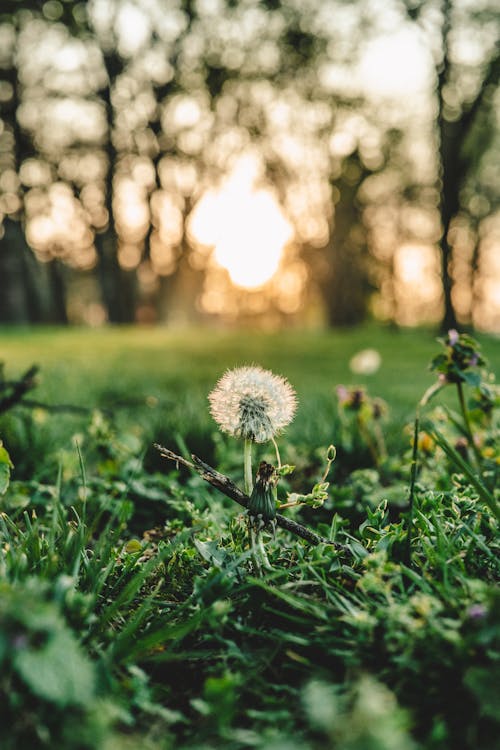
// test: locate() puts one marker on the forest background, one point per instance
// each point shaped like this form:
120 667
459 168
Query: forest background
250 161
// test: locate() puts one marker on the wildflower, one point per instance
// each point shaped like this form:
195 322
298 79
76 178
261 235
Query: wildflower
351 398
425 443
477 612
342 395
460 360
252 403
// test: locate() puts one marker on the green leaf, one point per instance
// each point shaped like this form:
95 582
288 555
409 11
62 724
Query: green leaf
58 672
471 378
5 466
485 684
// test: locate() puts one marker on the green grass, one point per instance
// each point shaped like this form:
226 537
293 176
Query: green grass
115 368
134 359
131 613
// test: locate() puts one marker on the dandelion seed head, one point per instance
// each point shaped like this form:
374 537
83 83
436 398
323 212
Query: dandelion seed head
365 362
252 403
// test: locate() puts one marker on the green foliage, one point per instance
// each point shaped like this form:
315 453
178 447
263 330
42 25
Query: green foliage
130 614
49 683
5 468
460 360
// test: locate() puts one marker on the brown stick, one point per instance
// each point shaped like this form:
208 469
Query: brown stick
228 488
18 388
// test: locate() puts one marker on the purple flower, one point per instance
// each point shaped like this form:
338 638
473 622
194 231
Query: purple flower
342 394
452 336
477 612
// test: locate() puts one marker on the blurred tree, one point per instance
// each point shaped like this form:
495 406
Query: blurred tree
464 42
268 91
345 283
117 285
122 114
31 291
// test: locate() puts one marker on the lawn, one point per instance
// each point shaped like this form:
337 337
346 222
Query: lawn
139 610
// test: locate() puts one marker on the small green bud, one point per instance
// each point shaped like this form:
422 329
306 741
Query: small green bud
133 546
331 453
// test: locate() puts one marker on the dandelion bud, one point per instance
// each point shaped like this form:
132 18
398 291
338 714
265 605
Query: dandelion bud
252 403
263 498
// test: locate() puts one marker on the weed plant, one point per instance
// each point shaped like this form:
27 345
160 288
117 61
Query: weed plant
133 615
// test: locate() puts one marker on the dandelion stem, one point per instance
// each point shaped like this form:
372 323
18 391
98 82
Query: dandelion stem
247 464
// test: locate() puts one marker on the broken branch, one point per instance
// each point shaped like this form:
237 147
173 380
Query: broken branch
228 488
18 388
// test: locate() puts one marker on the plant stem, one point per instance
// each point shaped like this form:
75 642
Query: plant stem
278 457
223 484
254 550
364 432
260 544
382 450
468 429
247 463
411 498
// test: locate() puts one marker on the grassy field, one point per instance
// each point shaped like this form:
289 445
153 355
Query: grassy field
137 359
109 366
137 612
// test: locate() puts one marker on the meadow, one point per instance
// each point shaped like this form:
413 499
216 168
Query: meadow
137 612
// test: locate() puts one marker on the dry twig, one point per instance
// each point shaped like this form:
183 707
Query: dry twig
228 488
18 388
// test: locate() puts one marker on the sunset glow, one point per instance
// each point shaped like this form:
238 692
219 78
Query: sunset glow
245 227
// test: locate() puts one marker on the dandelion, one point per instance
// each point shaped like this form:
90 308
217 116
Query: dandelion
365 362
252 403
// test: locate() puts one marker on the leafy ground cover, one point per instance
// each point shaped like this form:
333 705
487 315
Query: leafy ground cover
133 612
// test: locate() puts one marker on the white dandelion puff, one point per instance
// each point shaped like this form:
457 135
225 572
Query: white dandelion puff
252 403
366 362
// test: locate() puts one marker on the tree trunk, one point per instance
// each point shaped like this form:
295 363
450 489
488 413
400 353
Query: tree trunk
14 299
58 312
450 135
344 285
118 287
